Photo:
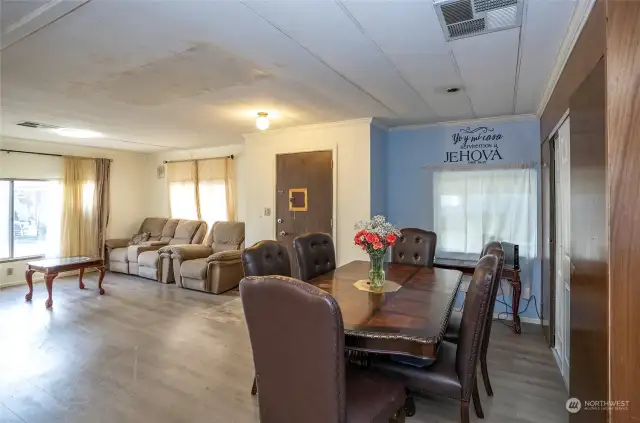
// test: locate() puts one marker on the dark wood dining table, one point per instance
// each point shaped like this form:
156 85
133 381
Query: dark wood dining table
410 321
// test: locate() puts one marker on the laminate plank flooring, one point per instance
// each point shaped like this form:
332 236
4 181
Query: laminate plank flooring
152 352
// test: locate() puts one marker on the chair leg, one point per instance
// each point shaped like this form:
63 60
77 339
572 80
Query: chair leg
399 417
410 405
254 388
476 400
485 373
464 412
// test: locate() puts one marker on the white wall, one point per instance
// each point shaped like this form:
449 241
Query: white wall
129 204
350 141
158 191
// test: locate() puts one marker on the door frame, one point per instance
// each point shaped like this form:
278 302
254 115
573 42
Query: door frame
550 190
334 176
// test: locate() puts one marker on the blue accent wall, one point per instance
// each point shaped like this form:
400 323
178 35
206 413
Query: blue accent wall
378 171
409 197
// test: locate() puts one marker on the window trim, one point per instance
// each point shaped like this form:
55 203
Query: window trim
11 258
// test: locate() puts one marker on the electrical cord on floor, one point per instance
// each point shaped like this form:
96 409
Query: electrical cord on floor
509 308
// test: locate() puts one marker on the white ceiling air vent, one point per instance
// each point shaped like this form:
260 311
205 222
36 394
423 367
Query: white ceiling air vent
467 18
36 125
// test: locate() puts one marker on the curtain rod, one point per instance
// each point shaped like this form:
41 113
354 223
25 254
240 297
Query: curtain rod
46 154
195 160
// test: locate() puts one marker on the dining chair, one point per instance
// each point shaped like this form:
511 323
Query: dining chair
453 328
454 372
415 246
315 254
297 336
265 258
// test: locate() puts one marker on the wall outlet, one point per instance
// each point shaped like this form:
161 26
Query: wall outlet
9 271
267 211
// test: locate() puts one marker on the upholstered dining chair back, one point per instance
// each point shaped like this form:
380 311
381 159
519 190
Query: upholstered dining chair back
415 246
315 254
474 315
298 350
498 252
488 245
266 258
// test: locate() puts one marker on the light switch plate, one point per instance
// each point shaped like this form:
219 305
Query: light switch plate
267 211
9 271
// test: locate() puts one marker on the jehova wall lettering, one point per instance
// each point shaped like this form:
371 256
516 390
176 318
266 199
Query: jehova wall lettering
474 146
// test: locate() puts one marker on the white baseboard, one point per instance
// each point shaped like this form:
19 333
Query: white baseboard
523 319
39 279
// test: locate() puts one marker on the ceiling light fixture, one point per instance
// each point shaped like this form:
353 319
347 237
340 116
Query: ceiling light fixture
77 133
262 121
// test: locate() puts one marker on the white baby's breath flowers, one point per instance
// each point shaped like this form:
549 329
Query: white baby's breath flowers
378 225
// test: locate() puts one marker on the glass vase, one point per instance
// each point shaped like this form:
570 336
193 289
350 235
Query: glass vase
376 272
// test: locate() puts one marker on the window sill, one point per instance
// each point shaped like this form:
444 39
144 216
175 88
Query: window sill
11 260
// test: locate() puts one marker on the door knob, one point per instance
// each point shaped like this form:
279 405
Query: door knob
282 233
279 220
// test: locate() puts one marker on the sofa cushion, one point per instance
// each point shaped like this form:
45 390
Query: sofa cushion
227 236
169 230
185 230
119 255
154 226
149 259
194 269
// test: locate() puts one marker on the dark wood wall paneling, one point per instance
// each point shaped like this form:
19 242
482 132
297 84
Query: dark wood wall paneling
587 52
623 147
589 359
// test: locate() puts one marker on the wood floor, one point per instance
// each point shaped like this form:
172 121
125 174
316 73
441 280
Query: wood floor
147 352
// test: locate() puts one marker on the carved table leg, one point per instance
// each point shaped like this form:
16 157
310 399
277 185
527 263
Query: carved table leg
517 291
48 280
80 283
100 278
29 278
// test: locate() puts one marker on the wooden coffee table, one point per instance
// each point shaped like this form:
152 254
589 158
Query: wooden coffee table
51 268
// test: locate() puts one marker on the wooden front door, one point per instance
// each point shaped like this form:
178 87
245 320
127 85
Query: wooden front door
304 197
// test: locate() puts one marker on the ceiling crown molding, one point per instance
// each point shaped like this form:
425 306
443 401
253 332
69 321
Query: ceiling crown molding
578 20
489 120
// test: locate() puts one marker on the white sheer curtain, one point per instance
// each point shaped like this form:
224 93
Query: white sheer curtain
203 190
183 190
212 190
473 207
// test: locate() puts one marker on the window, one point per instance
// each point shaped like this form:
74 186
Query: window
477 206
201 189
30 219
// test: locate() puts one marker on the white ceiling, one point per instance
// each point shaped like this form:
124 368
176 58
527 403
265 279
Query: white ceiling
153 75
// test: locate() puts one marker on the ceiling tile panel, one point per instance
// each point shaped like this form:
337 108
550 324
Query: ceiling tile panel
488 66
326 30
412 39
543 32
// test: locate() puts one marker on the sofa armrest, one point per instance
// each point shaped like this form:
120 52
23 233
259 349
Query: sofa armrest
188 251
117 243
224 256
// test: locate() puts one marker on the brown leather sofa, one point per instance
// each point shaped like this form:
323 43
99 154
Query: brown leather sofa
143 259
212 267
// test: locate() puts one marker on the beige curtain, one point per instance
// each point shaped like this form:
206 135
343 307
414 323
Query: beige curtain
230 186
183 190
81 226
102 200
203 189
